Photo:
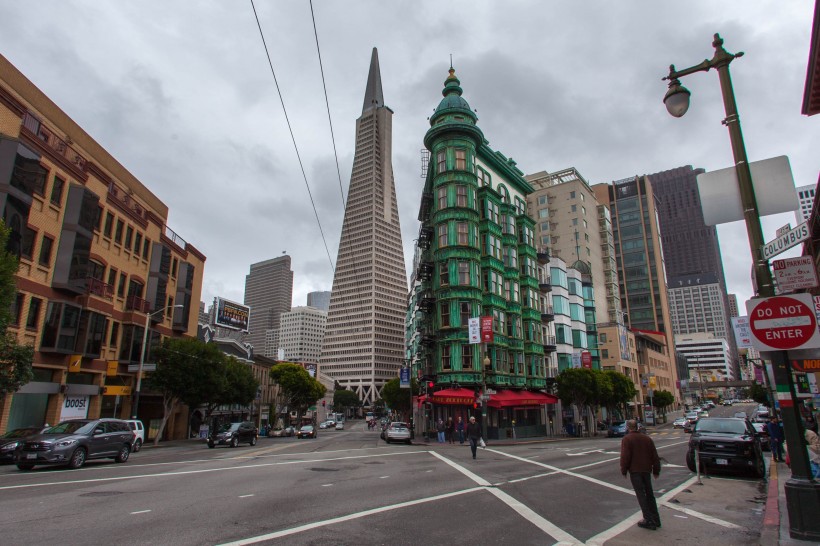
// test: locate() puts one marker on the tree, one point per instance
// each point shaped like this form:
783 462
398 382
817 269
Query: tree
297 390
242 385
578 386
343 399
188 372
758 394
623 391
397 398
662 400
15 359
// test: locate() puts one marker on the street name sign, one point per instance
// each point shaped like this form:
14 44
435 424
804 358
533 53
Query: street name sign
783 323
784 242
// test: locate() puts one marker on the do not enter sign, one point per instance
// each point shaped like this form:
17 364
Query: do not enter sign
783 323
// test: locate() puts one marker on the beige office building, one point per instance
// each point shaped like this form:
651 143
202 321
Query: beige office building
301 334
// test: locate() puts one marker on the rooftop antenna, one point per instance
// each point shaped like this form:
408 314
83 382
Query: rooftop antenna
451 60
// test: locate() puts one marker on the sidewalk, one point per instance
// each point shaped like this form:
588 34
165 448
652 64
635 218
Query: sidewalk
775 529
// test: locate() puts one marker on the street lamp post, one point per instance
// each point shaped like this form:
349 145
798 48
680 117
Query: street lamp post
485 398
148 317
802 492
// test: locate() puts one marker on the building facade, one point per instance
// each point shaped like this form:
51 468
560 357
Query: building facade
618 353
709 359
477 258
268 292
97 263
573 308
364 341
805 197
696 304
319 300
302 333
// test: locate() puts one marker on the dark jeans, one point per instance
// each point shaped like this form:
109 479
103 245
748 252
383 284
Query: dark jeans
776 447
460 436
473 445
642 484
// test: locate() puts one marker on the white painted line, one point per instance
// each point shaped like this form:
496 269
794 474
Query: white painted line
527 513
701 515
349 517
679 516
530 477
140 512
383 477
245 496
207 470
477 479
327 485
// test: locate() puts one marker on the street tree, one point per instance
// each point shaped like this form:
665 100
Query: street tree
242 385
15 359
622 392
188 372
297 390
344 399
661 400
397 398
577 386
758 393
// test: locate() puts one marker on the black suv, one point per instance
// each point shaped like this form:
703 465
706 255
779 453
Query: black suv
233 434
71 443
726 443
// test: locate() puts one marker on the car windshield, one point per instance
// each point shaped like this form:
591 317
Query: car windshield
71 427
232 427
398 425
721 426
20 433
307 428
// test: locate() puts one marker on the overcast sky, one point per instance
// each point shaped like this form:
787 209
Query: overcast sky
181 94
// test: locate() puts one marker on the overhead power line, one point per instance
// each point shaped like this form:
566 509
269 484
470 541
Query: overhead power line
292 137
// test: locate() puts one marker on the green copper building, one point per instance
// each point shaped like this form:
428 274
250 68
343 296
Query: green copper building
476 257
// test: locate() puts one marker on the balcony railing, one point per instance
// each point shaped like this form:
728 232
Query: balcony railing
549 343
135 303
124 197
99 288
59 145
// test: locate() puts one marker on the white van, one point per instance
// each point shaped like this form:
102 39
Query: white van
139 433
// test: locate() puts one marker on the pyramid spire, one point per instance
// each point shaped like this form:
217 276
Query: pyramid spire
373 97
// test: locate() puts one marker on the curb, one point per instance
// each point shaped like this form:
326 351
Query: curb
770 532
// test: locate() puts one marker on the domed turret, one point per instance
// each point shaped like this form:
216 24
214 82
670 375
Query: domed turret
453 103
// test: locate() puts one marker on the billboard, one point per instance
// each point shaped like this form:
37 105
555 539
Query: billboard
232 315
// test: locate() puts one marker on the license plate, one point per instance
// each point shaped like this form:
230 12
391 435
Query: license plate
721 461
31 455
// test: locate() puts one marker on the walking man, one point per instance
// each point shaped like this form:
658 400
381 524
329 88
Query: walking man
473 435
639 457
460 430
440 430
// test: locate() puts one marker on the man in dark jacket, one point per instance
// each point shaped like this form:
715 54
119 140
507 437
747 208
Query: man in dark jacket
473 435
775 430
639 457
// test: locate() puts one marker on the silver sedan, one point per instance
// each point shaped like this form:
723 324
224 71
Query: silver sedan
397 432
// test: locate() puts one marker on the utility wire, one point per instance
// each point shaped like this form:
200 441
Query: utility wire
293 138
327 104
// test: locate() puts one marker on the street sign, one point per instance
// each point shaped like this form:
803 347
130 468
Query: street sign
783 323
486 329
586 359
474 329
404 378
782 230
485 397
743 335
794 274
145 367
490 391
116 390
786 241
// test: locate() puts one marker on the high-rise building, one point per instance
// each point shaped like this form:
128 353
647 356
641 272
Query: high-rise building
733 308
319 300
97 263
696 305
268 292
476 257
567 223
364 340
708 357
302 333
805 196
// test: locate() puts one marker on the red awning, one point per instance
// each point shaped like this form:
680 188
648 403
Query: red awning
509 399
455 397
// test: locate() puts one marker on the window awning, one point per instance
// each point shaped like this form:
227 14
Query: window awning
453 397
510 398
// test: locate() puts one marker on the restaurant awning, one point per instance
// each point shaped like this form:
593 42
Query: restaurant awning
454 397
510 398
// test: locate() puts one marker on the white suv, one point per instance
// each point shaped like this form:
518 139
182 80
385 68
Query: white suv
139 433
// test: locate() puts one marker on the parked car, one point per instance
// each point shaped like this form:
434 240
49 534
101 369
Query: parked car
765 441
740 415
340 425
728 402
11 439
688 426
71 443
618 429
307 431
702 414
233 434
139 433
679 422
397 432
726 443
692 416
330 423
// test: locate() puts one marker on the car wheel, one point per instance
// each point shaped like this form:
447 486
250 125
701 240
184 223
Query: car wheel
253 440
77 458
122 456
690 462
408 442
25 466
234 441
211 445
137 445
760 468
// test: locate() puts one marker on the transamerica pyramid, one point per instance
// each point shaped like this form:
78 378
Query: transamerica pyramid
364 339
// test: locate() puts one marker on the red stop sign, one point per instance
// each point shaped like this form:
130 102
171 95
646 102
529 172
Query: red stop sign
782 322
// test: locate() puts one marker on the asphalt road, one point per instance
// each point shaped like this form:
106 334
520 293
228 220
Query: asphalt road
348 487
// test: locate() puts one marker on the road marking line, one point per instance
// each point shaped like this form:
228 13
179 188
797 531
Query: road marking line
383 477
327 485
206 470
701 515
245 496
349 517
140 512
530 477
476 478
